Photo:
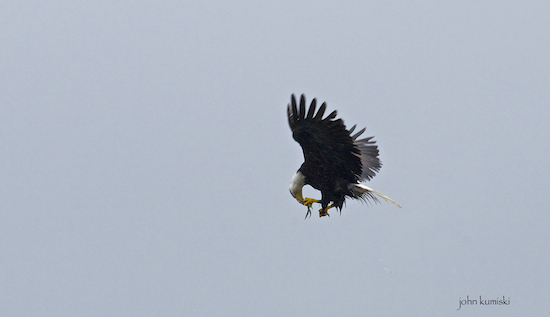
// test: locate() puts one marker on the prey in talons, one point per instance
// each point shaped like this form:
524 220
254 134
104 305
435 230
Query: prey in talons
307 202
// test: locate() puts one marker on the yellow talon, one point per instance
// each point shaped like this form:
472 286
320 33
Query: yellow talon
324 212
309 201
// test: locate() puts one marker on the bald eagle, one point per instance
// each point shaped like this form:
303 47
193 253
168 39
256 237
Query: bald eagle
336 162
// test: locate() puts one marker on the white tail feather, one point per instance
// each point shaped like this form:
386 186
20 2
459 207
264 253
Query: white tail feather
361 190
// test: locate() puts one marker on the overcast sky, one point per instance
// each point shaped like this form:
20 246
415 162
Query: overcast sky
145 158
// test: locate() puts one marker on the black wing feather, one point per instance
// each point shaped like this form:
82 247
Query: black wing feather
311 111
302 112
321 111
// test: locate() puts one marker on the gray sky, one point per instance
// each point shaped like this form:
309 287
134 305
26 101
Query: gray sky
146 157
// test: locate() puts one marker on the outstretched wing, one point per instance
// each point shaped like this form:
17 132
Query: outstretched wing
326 143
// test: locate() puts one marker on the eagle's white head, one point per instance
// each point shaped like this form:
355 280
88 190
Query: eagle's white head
296 184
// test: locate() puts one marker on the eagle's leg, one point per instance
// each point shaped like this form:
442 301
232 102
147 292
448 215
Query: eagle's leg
308 202
324 211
